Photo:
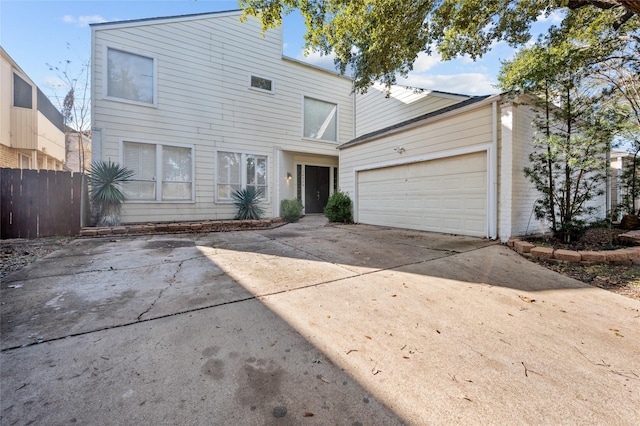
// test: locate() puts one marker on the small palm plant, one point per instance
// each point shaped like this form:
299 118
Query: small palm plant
246 200
105 179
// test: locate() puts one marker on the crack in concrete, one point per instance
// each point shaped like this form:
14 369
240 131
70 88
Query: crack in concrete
250 298
91 271
171 281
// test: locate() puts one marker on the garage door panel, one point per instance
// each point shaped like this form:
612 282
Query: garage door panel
445 195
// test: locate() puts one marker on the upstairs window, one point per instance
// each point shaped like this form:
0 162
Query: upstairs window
320 120
22 93
130 77
161 172
239 170
261 83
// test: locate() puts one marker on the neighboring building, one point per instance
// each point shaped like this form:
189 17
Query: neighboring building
31 128
620 162
78 148
201 105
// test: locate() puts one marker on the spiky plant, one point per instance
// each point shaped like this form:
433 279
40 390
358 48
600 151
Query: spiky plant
246 200
105 179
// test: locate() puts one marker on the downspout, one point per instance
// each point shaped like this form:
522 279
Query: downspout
354 111
493 174
276 208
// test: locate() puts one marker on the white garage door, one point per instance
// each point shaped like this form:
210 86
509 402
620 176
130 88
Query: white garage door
445 195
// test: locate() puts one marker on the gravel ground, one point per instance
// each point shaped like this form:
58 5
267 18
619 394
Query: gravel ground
622 279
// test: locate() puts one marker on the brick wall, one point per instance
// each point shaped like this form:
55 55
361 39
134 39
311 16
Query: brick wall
8 157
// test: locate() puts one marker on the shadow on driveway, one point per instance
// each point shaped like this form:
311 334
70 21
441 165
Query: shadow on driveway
347 324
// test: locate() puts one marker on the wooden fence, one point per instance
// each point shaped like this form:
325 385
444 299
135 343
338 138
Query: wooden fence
41 203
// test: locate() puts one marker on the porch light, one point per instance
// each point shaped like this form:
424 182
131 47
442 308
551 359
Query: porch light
288 175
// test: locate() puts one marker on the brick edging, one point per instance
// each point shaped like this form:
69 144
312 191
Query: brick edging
182 227
629 255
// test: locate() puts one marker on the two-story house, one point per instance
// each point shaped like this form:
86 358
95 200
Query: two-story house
31 128
201 105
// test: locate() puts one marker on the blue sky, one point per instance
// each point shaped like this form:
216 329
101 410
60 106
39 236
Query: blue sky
37 33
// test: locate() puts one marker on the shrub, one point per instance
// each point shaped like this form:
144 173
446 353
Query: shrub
247 200
291 210
106 179
338 208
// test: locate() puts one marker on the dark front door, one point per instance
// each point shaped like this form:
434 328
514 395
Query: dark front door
316 193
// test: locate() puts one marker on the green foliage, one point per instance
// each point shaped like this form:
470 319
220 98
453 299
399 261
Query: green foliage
379 39
630 182
575 124
105 179
338 208
247 201
291 210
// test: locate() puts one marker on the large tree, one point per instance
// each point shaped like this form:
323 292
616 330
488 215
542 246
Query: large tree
579 114
379 39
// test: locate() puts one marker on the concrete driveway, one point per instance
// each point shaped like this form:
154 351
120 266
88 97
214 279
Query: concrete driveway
311 324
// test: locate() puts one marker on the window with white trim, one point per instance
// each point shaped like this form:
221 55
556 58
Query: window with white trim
261 83
320 120
240 170
130 76
162 172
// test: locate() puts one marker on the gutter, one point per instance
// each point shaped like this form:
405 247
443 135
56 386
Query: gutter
449 111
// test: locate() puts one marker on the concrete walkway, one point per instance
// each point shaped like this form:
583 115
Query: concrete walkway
311 324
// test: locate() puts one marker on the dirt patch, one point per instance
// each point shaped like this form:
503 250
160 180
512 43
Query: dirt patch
595 239
15 254
621 279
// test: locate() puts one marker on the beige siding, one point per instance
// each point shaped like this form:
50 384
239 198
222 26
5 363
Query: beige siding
6 100
375 110
204 100
524 194
50 139
452 133
26 130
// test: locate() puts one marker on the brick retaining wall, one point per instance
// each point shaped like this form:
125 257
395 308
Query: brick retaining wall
629 255
183 227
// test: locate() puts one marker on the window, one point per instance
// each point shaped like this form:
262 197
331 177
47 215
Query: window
25 161
130 76
161 172
320 120
261 83
238 170
22 93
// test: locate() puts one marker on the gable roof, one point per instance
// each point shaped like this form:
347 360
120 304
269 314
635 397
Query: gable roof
413 122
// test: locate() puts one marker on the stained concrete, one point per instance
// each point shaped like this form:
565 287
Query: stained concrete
311 323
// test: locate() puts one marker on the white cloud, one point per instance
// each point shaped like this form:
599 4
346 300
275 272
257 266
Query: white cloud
554 17
83 21
318 59
465 83
425 62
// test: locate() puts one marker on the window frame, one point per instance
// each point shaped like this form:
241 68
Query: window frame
159 170
243 173
259 89
105 75
329 101
14 88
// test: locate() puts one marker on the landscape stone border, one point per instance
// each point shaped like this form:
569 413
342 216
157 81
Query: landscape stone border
624 256
182 227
